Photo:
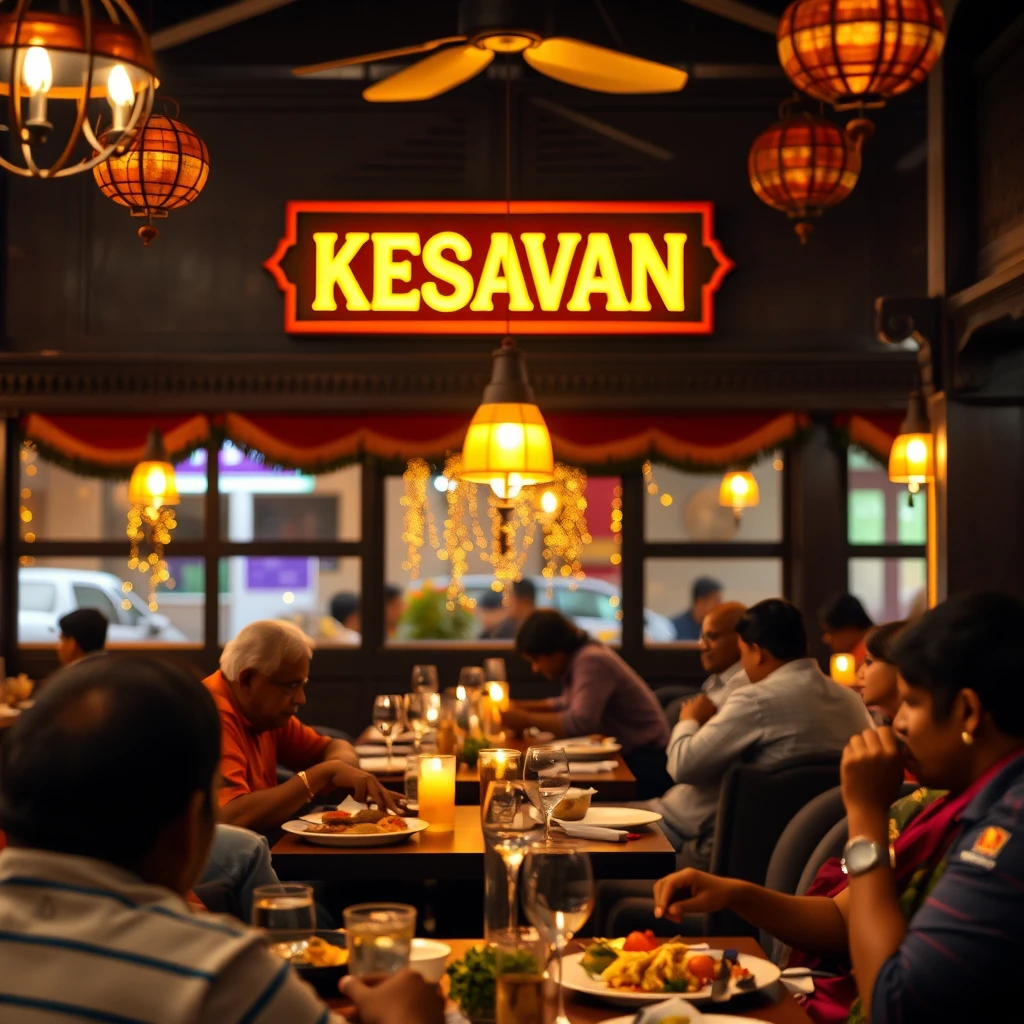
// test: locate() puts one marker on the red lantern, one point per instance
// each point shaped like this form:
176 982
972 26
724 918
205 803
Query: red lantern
164 168
802 165
859 53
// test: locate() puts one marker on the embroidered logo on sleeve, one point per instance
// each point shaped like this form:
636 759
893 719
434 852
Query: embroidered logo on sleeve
987 847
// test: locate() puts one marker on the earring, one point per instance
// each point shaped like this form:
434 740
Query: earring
967 738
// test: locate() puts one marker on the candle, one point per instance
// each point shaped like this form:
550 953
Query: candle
498 692
498 764
843 669
436 794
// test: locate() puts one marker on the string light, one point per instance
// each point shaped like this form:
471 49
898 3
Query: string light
25 513
616 556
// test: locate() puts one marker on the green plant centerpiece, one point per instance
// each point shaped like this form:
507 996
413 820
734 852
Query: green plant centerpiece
428 617
471 747
473 979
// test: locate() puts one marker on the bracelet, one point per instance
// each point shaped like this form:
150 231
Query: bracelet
309 788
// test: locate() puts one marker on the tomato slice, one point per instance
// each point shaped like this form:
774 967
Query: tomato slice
640 942
703 968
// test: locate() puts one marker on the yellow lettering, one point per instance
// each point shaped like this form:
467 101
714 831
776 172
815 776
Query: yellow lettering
435 264
667 277
333 269
598 273
387 270
502 273
550 282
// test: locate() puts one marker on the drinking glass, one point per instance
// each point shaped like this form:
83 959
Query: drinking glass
287 914
496 765
379 938
424 679
519 961
546 775
558 885
509 829
388 717
472 678
418 707
412 796
495 671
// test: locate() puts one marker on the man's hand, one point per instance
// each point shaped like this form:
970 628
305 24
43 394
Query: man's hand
691 892
403 998
871 771
514 718
700 709
366 789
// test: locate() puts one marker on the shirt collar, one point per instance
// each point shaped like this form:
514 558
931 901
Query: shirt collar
223 688
996 781
801 666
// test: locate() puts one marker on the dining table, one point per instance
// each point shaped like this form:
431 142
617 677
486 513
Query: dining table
773 1005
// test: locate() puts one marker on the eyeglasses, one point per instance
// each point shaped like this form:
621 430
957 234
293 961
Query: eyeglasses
713 636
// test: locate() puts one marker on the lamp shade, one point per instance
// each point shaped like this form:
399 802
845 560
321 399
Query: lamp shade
843 669
859 53
739 490
507 444
153 482
912 456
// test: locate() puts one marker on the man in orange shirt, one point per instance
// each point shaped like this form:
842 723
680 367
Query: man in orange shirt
259 688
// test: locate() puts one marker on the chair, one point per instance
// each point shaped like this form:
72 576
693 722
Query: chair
755 805
668 694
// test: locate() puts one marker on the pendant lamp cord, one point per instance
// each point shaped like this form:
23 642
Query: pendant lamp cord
508 187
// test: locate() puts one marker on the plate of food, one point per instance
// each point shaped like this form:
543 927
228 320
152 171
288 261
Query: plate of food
641 969
323 962
614 817
589 748
367 827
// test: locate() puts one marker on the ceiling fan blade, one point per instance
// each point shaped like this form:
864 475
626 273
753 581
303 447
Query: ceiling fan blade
602 70
381 55
204 24
431 76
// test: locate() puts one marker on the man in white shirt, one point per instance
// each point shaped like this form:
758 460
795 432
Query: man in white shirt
789 708
107 794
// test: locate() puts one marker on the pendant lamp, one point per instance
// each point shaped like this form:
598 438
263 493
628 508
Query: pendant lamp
507 444
738 491
912 456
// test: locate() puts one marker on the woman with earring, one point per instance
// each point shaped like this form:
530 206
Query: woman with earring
924 919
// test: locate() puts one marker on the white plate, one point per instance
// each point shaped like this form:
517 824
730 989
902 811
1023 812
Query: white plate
576 979
591 751
718 1018
617 817
342 839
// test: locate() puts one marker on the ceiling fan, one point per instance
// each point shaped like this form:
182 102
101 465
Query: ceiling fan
489 27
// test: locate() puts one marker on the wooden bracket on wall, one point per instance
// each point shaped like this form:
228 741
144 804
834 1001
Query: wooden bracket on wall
919 319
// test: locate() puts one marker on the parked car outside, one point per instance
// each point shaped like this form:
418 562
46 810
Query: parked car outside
46 595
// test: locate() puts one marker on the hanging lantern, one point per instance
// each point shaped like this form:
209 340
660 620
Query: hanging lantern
52 62
859 53
507 444
912 456
843 669
152 493
164 167
802 165
738 491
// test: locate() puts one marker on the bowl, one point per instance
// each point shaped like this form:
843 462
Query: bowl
574 805
325 979
429 958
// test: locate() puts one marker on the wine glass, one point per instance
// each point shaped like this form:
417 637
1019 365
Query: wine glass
509 828
418 708
388 717
558 883
546 777
472 678
424 679
495 671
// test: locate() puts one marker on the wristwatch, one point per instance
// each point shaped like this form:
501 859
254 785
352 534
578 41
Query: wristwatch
861 855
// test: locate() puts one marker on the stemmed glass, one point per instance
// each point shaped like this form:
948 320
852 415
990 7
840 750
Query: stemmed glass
388 717
418 708
472 678
546 778
508 827
559 888
424 679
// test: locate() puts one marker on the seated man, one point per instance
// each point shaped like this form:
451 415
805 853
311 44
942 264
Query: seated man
521 606
600 694
92 887
260 686
844 626
789 709
83 634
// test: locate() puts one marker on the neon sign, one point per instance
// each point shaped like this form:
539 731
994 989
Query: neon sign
475 268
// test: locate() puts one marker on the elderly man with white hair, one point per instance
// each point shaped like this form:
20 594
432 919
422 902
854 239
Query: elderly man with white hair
260 686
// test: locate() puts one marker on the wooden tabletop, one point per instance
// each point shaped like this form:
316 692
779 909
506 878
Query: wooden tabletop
6 721
457 855
774 1004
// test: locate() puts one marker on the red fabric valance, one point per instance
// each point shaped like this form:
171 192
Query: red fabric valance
874 432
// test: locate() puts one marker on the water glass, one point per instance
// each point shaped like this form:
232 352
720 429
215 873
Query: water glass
287 914
412 800
379 938
472 678
495 671
509 828
495 765
520 958
389 716
421 713
424 679
546 777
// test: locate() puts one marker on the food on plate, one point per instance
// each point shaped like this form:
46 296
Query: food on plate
352 827
640 942
668 967
367 816
674 1019
320 953
574 805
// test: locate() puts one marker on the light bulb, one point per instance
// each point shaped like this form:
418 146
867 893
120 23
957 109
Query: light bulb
120 95
37 71
917 451
441 483
510 436
739 486
156 482
506 487
549 502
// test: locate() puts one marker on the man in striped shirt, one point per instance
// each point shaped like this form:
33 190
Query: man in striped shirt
107 794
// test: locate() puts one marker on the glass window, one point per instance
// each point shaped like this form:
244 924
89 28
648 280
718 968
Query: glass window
890 588
264 503
668 589
879 512
294 587
49 588
683 506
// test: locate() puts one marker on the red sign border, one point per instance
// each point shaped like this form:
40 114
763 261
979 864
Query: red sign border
295 326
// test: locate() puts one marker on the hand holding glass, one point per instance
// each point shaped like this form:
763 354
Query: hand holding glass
379 938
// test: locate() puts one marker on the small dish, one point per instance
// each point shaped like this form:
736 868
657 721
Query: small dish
429 958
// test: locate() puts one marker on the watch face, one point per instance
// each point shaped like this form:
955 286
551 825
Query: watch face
861 857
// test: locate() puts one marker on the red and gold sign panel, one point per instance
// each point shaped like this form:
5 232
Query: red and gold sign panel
477 268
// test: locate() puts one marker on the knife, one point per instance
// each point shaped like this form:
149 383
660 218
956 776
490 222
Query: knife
720 986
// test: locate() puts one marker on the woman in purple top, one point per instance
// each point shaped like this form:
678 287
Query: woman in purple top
600 694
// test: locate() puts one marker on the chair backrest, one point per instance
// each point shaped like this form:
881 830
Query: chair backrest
756 803
666 695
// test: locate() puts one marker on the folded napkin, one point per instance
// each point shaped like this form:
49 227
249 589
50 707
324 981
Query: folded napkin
601 835
592 767
380 764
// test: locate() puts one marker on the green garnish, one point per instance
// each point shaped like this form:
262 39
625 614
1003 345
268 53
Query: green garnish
598 957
